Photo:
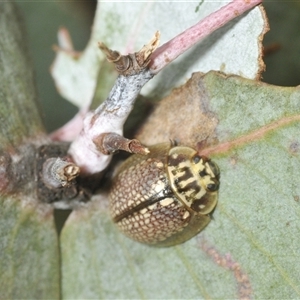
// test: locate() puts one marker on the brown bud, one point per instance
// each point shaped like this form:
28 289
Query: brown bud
110 142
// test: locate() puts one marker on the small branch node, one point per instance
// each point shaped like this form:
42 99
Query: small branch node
109 143
134 63
59 172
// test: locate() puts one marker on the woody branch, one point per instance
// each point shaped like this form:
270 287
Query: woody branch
90 150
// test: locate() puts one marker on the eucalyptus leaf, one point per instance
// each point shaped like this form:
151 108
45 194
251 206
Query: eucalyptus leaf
250 248
29 256
29 253
126 28
19 111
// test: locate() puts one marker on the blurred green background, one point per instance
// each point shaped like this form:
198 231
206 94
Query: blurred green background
44 18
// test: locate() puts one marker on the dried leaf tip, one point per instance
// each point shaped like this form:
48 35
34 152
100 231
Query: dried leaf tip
133 63
111 55
144 54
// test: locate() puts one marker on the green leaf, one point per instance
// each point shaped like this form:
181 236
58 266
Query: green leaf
19 114
29 254
250 248
126 28
50 16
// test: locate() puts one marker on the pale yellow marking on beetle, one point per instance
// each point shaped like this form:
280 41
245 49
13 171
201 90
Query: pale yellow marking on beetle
189 192
166 201
159 186
167 183
178 173
185 215
198 167
186 182
159 165
206 180
209 170
152 207
146 216
200 194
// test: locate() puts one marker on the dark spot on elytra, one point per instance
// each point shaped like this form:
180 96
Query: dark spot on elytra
187 174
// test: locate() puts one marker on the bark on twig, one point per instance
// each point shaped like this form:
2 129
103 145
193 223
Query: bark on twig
135 71
111 115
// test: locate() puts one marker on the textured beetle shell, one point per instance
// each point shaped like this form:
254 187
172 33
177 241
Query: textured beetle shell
144 206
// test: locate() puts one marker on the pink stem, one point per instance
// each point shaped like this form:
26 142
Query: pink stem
111 115
179 44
